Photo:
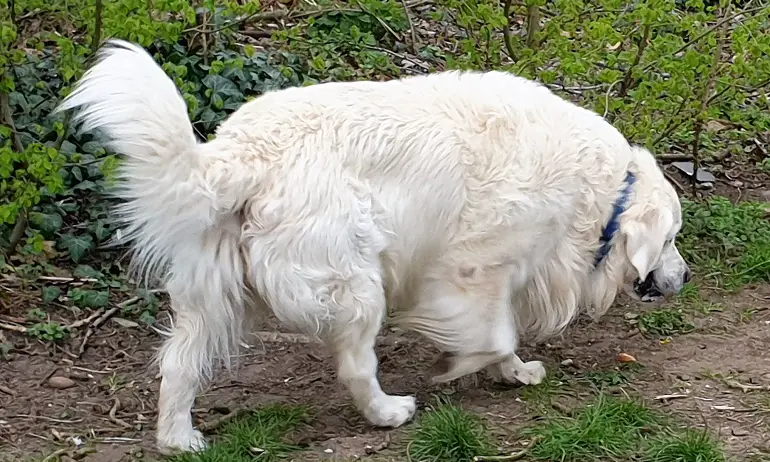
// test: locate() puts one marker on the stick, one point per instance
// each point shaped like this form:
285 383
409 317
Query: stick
411 27
744 387
219 421
101 321
114 419
83 322
667 397
13 328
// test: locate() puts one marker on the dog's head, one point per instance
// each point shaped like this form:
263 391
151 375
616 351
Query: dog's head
648 230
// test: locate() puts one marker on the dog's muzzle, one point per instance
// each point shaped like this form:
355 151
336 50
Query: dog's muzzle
647 290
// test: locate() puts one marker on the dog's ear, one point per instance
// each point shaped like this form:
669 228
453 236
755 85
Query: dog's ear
646 236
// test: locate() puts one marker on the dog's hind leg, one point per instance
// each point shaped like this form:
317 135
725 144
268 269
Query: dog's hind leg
466 312
325 278
206 289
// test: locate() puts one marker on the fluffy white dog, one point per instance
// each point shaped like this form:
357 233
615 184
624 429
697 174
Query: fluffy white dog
480 207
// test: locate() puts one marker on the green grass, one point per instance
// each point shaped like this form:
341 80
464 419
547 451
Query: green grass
664 322
257 436
554 384
614 429
609 428
688 446
727 244
447 433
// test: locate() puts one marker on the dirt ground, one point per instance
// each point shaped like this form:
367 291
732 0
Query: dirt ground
112 402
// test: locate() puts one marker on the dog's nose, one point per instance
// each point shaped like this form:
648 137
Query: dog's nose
687 276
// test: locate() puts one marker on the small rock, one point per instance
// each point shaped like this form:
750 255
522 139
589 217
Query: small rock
60 383
739 432
683 377
567 362
329 451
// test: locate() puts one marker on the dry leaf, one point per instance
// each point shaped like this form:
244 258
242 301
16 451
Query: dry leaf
625 358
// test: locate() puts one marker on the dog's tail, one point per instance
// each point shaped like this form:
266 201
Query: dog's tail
170 185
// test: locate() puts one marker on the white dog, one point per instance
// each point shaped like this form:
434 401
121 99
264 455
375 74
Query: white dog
480 207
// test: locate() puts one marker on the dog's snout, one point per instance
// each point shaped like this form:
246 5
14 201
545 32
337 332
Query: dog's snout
687 276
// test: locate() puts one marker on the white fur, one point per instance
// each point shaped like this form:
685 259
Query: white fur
471 204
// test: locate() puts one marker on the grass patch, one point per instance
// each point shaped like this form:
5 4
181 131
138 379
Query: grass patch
256 436
688 446
618 376
447 433
664 322
609 428
691 299
541 394
619 429
728 244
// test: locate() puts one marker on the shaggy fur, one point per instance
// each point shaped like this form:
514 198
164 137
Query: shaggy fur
470 203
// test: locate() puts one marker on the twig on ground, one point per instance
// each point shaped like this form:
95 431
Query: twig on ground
673 396
113 417
7 390
75 453
219 421
280 337
515 456
104 317
63 279
47 419
13 328
413 45
746 387
83 322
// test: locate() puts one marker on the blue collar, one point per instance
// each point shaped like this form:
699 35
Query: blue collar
614 223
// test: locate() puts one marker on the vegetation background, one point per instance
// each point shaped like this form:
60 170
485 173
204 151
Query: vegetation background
686 78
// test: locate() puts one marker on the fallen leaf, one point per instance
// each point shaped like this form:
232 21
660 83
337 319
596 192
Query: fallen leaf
625 358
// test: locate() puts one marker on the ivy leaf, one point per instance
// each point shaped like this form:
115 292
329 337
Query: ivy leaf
221 86
51 293
86 272
48 223
84 298
77 173
77 246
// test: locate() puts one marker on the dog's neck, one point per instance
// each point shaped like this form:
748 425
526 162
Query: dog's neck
612 226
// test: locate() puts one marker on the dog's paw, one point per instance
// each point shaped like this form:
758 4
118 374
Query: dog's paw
194 441
529 373
391 411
